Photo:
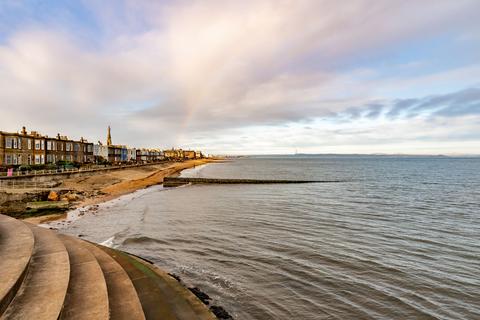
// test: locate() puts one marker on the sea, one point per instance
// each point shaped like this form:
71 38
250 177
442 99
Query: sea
397 238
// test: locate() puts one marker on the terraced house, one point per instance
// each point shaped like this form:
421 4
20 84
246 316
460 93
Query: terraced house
17 148
24 148
174 154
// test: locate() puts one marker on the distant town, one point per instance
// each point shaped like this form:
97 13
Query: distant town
34 149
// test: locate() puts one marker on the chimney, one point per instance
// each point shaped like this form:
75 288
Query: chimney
24 130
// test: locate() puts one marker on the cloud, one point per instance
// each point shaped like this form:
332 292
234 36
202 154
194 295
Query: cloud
461 103
177 72
401 105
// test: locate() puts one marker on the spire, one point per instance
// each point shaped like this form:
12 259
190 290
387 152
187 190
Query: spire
109 137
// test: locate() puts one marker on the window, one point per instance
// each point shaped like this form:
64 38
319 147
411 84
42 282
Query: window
11 143
8 159
39 159
29 142
68 147
39 144
50 145
76 147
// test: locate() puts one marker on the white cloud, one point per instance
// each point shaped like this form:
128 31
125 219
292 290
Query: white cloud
167 73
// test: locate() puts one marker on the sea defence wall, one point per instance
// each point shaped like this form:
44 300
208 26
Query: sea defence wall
50 276
180 181
49 175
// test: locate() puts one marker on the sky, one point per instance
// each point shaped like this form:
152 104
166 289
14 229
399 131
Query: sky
246 77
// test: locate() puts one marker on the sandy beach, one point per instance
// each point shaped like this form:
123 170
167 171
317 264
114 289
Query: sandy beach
106 186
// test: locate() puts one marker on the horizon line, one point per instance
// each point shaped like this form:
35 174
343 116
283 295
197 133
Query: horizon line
358 154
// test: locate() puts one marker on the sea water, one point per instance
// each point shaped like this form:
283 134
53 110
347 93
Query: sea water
399 239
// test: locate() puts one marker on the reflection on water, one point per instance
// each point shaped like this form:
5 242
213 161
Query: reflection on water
400 241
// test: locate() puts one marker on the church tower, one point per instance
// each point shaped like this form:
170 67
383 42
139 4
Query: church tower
109 137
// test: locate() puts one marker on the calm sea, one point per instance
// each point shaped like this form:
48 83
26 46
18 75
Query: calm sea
399 240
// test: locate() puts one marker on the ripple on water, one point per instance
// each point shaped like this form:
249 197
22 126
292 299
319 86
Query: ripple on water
401 241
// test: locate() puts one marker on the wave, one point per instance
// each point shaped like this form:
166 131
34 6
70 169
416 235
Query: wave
108 242
143 240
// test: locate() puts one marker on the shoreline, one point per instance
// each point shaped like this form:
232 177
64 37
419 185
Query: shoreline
121 188
126 191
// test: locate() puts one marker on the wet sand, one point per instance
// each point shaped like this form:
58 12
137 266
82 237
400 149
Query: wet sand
106 186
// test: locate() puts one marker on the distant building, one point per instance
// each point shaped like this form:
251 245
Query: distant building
32 148
131 154
22 148
170 154
189 154
156 155
142 155
109 137
17 148
124 154
87 151
100 152
114 154
174 154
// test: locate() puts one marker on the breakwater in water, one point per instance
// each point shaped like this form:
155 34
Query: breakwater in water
180 181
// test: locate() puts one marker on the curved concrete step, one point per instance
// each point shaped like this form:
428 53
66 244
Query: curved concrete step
87 296
158 298
43 290
153 301
187 305
123 300
16 248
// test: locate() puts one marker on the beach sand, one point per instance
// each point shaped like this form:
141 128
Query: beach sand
109 185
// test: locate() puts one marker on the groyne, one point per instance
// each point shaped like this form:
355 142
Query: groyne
180 181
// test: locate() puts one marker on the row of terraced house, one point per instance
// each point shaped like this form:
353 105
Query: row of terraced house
122 153
23 148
